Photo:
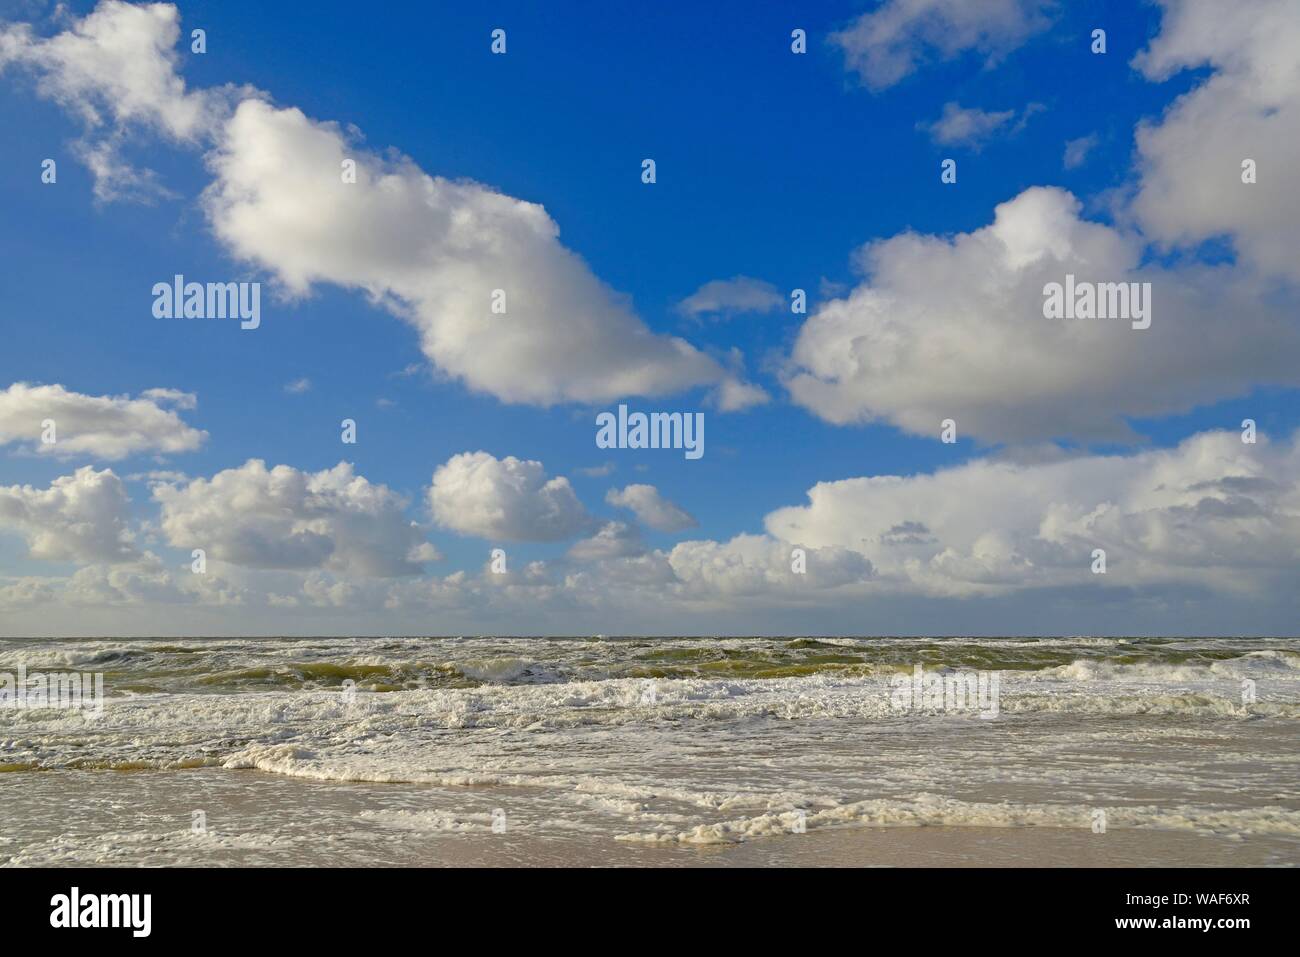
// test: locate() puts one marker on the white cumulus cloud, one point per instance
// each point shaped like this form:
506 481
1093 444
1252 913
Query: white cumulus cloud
1213 512
509 499
953 328
101 426
289 519
433 251
81 517
439 253
1190 160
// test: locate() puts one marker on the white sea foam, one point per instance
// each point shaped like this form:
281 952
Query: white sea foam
739 736
928 810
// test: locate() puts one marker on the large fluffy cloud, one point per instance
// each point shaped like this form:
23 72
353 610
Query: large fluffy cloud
81 517
284 518
437 251
1214 512
433 251
892 41
508 499
953 328
103 426
945 328
1249 108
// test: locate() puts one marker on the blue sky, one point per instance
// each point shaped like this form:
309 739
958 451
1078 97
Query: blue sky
770 165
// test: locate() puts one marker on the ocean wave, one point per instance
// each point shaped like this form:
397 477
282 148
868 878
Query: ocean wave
393 665
927 810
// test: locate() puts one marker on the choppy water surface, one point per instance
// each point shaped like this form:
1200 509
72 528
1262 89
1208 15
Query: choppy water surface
645 743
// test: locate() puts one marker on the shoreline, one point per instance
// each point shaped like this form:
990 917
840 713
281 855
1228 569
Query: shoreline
254 818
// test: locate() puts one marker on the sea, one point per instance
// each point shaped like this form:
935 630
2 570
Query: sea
653 751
